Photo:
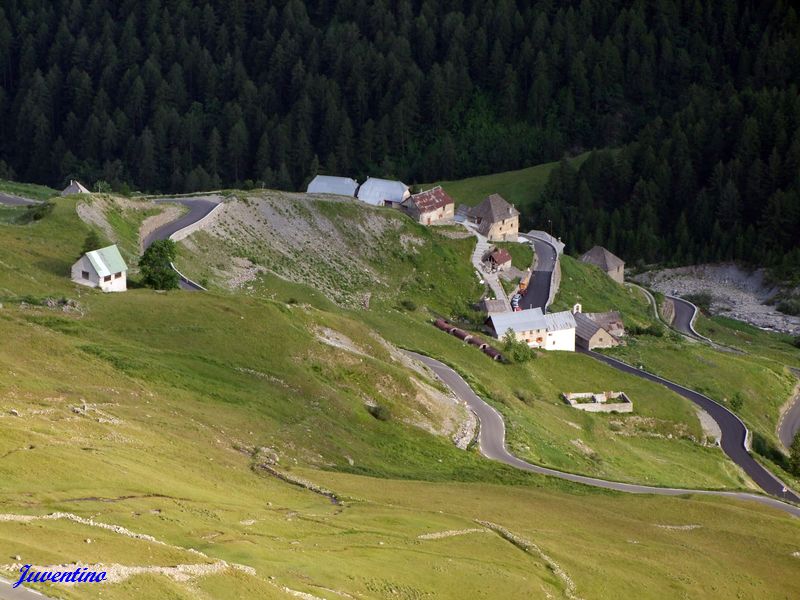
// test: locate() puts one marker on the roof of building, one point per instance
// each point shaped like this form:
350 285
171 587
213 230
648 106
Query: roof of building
376 191
493 209
74 187
585 327
328 184
523 320
559 321
602 258
429 200
107 261
493 306
500 256
607 320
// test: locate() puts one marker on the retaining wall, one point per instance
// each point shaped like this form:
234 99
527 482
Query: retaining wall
190 229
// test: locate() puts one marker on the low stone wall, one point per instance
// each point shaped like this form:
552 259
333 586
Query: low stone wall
190 229
599 405
668 311
555 282
604 407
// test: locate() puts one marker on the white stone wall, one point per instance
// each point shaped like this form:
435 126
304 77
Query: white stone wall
190 229
563 339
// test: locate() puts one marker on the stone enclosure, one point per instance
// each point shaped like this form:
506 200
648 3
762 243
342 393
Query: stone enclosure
607 402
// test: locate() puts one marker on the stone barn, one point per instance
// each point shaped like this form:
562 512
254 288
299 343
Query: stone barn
611 264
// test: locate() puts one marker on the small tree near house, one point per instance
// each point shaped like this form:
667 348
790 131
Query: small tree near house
155 266
93 241
516 350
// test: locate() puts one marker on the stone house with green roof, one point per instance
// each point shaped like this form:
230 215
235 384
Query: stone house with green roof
103 268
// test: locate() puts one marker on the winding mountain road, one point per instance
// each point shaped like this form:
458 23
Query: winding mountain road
491 441
685 313
199 208
789 424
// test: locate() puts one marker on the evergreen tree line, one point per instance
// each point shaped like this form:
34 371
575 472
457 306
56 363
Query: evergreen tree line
180 95
719 181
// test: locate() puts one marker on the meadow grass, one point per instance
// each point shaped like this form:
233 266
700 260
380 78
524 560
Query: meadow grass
597 292
153 411
521 187
521 254
31 191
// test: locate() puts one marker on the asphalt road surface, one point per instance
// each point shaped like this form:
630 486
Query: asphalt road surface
538 291
11 200
491 441
684 314
733 430
790 423
8 592
198 208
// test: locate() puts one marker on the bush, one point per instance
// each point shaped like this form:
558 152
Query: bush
409 305
790 306
93 241
737 402
156 268
701 299
796 341
794 456
653 330
516 350
380 412
765 448
37 212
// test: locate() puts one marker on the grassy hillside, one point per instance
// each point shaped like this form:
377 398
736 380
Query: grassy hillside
597 292
31 191
163 413
754 383
521 187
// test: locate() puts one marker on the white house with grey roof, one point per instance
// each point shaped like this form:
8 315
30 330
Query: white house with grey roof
328 184
552 331
383 192
103 268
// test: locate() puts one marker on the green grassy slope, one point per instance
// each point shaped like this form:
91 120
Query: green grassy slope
27 190
596 292
521 187
153 411
754 383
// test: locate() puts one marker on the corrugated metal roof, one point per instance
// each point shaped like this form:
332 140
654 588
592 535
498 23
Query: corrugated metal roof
376 191
328 184
430 200
559 321
107 261
500 256
524 320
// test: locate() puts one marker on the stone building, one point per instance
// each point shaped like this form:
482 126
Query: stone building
496 219
613 265
430 206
